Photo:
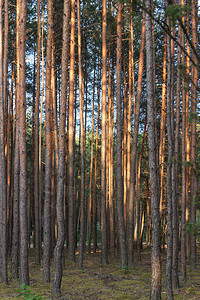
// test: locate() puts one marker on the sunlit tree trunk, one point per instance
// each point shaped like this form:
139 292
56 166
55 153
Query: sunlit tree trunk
175 279
163 125
153 168
103 141
129 205
120 207
71 136
193 250
135 137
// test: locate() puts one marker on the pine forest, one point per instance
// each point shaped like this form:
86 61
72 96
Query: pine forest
99 149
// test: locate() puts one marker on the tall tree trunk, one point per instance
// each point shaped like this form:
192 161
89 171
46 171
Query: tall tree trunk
110 162
36 165
5 63
169 173
3 199
163 125
40 131
15 233
193 250
129 206
120 208
91 167
95 179
153 168
82 133
103 141
183 205
24 271
134 142
58 252
71 136
48 155
175 279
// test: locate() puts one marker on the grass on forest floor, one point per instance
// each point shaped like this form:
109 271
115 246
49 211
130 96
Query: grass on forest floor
109 282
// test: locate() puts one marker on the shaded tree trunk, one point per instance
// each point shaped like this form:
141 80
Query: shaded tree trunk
48 155
36 165
153 168
3 183
82 133
24 270
58 252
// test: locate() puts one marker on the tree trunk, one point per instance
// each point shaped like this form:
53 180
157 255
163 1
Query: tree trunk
91 168
82 133
3 200
183 205
163 125
36 165
153 168
48 155
120 208
134 143
58 252
169 173
71 136
95 180
24 271
103 142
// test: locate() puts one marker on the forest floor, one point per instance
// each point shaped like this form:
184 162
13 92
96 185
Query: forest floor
109 282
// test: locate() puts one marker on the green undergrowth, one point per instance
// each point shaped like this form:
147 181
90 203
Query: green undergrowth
97 282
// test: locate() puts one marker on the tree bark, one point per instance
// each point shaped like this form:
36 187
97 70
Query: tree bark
48 155
169 173
3 182
153 168
103 142
58 252
36 165
71 136
82 133
24 270
193 250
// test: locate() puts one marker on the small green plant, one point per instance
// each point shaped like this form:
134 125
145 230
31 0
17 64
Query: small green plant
24 292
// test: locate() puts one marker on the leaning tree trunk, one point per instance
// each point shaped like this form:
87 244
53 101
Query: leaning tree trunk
153 168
